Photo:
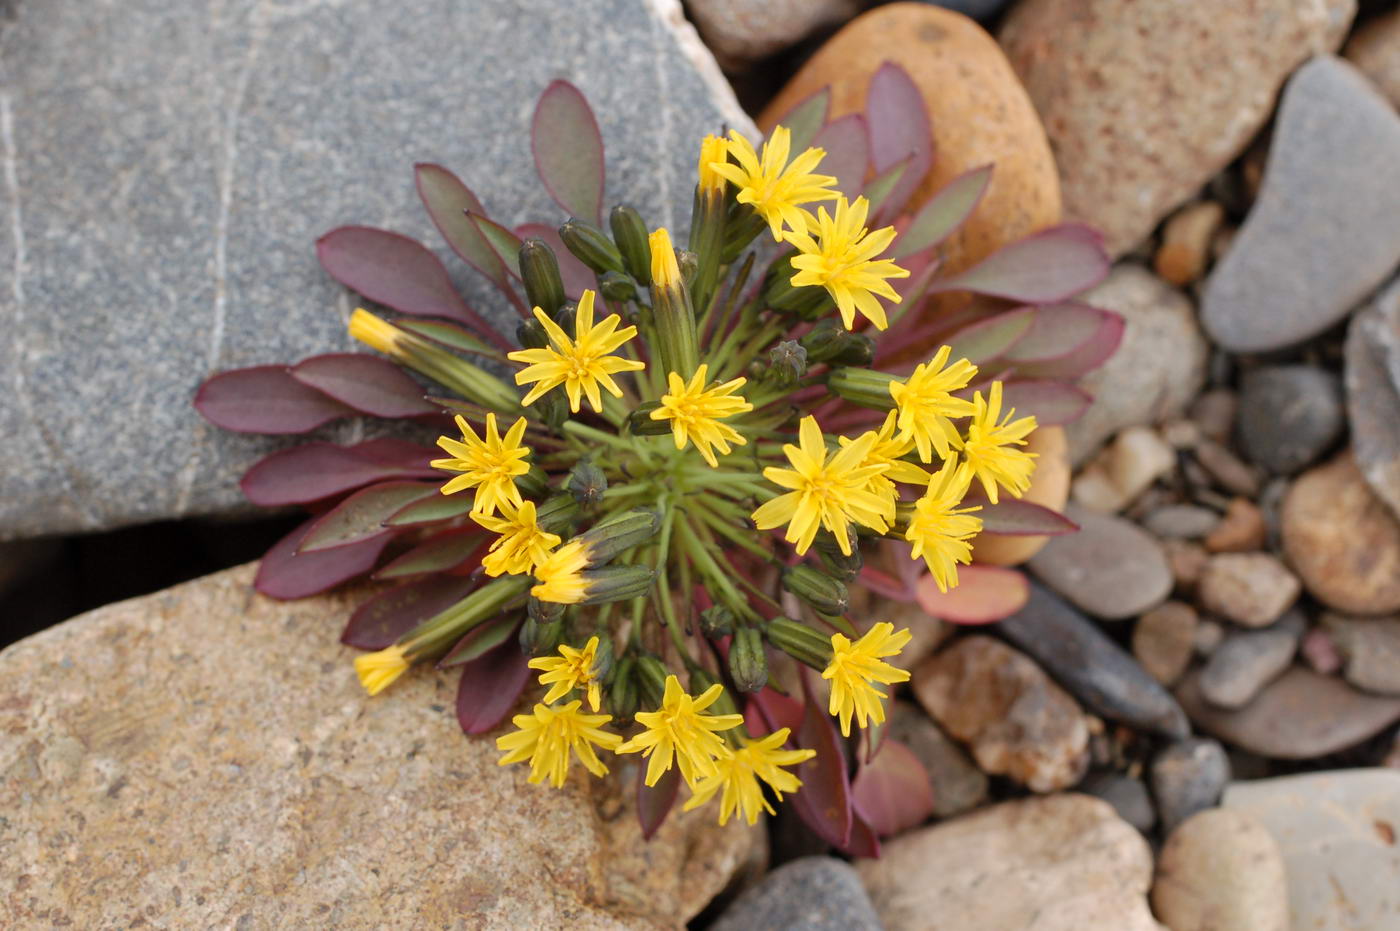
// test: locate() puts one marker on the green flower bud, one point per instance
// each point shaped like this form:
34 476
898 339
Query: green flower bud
543 612
742 227
591 246
587 483
557 514
802 643
619 533
748 664
618 287
603 659
716 621
860 350
787 362
865 387
630 232
550 409
539 638
651 680
821 591
701 680
539 270
622 694
567 318
840 566
530 334
829 341
640 422
616 583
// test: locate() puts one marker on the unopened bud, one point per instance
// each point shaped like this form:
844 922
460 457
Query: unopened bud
841 566
829 341
701 680
865 387
587 483
622 693
538 638
787 362
748 664
617 287
567 318
616 583
651 676
591 246
821 591
716 621
534 483
539 270
550 409
641 423
557 514
630 232
619 533
530 334
743 226
603 660
799 641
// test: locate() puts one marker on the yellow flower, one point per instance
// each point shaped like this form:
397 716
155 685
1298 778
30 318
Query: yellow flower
695 413
842 260
546 737
580 364
378 670
522 544
985 448
774 187
925 403
888 449
854 666
559 575
665 272
823 493
487 464
569 670
681 729
712 150
739 772
939 529
374 332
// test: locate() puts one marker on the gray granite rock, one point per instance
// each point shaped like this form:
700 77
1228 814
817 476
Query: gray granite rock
1289 416
1158 368
821 893
1110 568
1127 795
1338 834
1322 233
167 167
1092 667
1373 393
742 31
1187 777
1244 664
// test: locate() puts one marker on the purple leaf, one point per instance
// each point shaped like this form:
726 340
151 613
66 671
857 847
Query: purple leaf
450 551
872 739
369 384
881 188
899 129
431 510
1043 268
847 151
654 803
386 617
577 276
1018 517
775 710
892 793
481 639
943 213
489 688
318 470
1088 355
806 119
984 594
448 202
265 399
392 269
285 574
864 841
502 241
1052 403
568 150
824 801
397 454
361 516
991 337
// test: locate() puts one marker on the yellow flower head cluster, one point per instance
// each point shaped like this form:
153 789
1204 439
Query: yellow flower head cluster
550 736
940 529
854 666
696 412
522 544
581 363
571 669
842 259
738 773
681 731
775 187
488 463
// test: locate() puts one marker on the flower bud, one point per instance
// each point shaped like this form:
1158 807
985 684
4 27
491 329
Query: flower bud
860 350
651 676
829 341
530 334
748 664
840 566
688 263
802 643
781 294
550 409
591 246
816 588
700 680
539 270
603 660
865 387
672 314
641 423
587 483
630 232
557 514
616 583
538 638
617 287
787 362
716 621
543 612
622 693
742 227
619 533
567 317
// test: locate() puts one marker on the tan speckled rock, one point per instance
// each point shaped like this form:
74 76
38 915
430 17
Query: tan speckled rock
1375 49
977 108
1062 863
1221 871
1144 102
202 757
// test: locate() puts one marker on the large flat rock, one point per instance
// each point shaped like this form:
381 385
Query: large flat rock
203 757
167 167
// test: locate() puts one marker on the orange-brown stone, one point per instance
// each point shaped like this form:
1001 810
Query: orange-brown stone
1049 487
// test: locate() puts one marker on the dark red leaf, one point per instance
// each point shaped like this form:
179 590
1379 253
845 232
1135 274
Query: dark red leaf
490 687
369 384
314 471
943 213
899 129
392 269
824 801
285 574
577 276
892 793
431 510
872 739
386 617
395 453
983 594
480 639
654 803
806 119
991 337
1053 403
1088 355
1046 267
265 399
502 241
1017 517
568 150
446 552
847 152
864 841
448 201
362 515
775 710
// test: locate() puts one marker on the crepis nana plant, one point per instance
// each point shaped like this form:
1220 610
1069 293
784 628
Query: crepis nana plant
656 488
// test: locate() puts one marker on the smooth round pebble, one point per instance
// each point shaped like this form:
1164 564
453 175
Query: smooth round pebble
1188 776
1181 522
1221 871
1244 664
1289 416
1252 589
1164 639
1110 568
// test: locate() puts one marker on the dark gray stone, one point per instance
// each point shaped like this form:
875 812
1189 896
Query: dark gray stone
1373 393
1289 416
1322 233
1181 522
1111 568
1244 664
167 167
958 785
981 10
1187 777
1127 795
821 893
1092 667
